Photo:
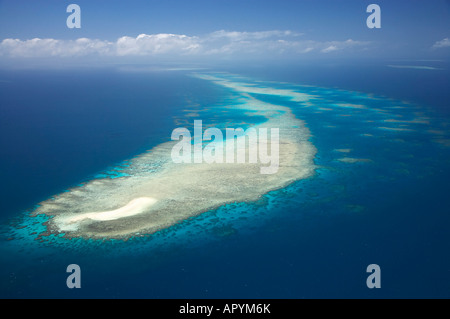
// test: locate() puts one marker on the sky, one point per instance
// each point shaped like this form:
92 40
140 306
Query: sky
197 30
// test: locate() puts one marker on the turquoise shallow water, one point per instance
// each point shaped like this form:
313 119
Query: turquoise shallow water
385 203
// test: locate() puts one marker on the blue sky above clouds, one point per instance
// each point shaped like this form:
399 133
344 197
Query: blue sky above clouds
217 29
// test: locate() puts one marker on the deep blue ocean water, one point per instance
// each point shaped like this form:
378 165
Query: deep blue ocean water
313 239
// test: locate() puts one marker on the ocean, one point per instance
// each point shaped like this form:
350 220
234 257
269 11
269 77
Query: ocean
378 195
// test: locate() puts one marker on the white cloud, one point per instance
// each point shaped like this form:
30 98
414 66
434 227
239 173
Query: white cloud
444 43
331 48
51 47
341 45
217 43
239 36
308 49
145 44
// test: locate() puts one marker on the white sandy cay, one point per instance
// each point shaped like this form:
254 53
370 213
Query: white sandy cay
134 207
158 193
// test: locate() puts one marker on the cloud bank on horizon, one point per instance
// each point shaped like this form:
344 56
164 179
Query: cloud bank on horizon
272 42
144 30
